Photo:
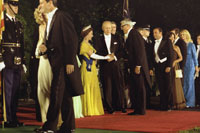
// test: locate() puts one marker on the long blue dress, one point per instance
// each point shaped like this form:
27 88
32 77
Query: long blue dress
189 72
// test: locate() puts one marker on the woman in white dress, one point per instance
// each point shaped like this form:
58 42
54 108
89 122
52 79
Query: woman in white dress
44 70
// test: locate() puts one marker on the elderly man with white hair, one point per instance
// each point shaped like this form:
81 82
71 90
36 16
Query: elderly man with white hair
139 71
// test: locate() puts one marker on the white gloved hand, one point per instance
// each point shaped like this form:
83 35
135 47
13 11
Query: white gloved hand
25 69
2 66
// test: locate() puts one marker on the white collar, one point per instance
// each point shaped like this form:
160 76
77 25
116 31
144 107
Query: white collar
176 40
50 14
145 38
10 17
159 39
107 36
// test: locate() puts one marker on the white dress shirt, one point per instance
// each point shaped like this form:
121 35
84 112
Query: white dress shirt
10 17
108 42
126 35
50 16
157 58
198 49
176 40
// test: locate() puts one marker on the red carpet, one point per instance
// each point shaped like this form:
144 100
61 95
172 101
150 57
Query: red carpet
153 121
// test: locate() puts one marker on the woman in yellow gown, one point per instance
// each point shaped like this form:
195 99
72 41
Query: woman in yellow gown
91 100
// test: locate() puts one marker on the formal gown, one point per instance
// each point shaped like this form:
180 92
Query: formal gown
178 95
44 77
91 100
189 72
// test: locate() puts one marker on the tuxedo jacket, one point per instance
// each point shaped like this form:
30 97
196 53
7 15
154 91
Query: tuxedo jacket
115 47
149 48
135 48
165 49
62 45
198 57
183 47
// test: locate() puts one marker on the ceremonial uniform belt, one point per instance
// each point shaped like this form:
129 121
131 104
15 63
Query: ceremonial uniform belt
11 45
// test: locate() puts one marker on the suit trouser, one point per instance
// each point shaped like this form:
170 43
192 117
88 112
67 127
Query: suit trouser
112 84
60 99
197 91
165 86
11 86
138 86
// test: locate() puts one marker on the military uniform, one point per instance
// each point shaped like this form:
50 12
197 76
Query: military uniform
12 53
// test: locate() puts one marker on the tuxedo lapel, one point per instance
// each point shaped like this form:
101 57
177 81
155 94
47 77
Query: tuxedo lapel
161 45
112 47
52 21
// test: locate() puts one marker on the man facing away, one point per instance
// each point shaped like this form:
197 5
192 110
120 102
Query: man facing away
61 45
139 71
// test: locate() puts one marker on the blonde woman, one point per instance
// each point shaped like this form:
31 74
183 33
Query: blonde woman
44 70
191 66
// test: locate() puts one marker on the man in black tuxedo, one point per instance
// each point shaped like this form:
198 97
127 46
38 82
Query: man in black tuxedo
163 58
145 32
110 70
139 71
183 47
197 80
61 45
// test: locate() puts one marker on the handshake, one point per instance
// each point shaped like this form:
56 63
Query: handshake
110 57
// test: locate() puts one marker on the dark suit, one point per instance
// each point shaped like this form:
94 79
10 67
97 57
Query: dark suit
149 48
12 54
139 82
197 85
110 72
62 47
183 47
163 79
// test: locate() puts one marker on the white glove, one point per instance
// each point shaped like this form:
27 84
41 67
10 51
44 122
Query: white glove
2 66
99 57
25 69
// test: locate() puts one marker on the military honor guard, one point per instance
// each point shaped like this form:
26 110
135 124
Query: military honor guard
11 63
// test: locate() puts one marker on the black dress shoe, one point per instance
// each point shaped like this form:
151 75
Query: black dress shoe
18 124
135 113
124 110
111 111
9 124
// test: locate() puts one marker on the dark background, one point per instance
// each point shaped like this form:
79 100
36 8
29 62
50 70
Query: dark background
167 14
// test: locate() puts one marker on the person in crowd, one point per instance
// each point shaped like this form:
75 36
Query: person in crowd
122 64
91 100
113 27
197 80
44 70
163 54
191 66
12 62
60 46
183 47
177 89
139 71
145 32
109 69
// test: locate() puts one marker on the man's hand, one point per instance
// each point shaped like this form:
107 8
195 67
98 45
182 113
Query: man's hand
42 48
167 69
111 57
69 69
151 72
2 66
137 69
